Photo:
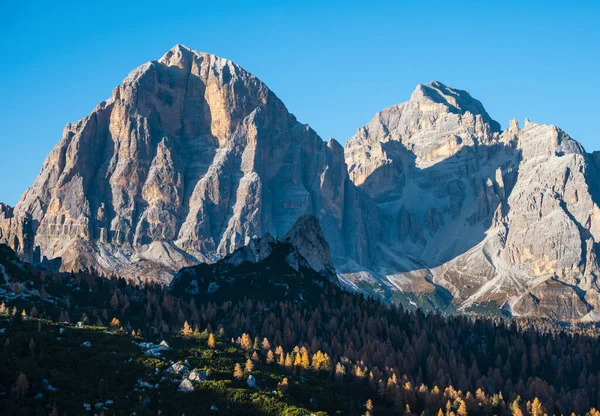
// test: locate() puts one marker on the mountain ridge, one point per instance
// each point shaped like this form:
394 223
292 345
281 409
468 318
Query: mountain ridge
430 203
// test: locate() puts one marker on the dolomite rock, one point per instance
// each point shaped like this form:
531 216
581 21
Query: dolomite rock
189 159
192 157
505 217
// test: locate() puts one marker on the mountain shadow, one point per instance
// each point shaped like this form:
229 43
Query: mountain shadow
438 212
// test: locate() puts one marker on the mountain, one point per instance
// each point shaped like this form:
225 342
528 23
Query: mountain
495 217
189 159
431 204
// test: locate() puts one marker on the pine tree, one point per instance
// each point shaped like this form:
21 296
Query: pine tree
211 341
187 330
536 408
246 342
283 384
339 372
114 301
249 365
304 360
270 357
255 357
21 385
289 364
462 408
278 350
221 332
369 407
515 407
265 346
237 372
297 359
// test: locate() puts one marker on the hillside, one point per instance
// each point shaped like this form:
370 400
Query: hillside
336 348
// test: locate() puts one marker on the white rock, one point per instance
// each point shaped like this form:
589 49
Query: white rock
186 386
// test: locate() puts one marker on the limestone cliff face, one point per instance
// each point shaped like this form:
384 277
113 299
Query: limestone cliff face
489 215
189 159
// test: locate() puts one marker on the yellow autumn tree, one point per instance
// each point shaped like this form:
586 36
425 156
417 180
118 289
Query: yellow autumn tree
537 408
237 372
270 357
283 384
246 342
249 365
187 330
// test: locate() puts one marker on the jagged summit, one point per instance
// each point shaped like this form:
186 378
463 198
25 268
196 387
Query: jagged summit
458 101
182 56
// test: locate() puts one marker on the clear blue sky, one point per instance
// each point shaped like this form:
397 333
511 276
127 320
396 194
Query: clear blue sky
333 65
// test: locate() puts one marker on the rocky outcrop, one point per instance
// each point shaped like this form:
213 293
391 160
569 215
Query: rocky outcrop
189 159
305 237
507 217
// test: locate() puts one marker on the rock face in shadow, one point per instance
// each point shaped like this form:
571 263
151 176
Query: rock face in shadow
308 248
189 159
509 217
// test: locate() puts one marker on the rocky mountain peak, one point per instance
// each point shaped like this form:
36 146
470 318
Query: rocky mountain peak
190 159
307 237
457 101
182 57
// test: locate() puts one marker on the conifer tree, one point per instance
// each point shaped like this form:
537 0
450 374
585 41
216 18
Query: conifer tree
283 384
270 357
249 365
237 372
187 330
21 385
